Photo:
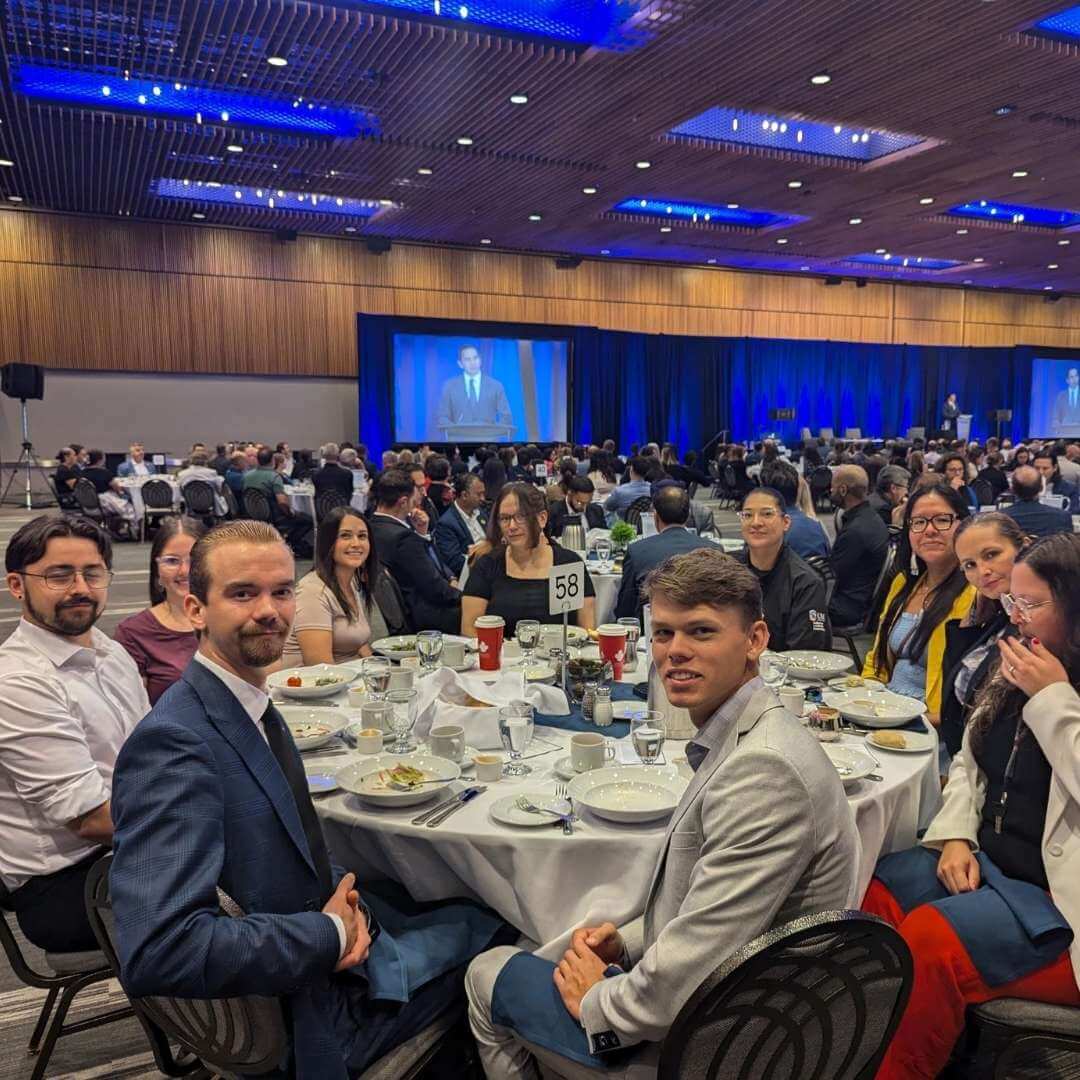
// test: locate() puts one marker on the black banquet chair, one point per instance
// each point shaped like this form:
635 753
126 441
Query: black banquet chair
636 509
326 501
68 974
157 496
200 502
1015 1038
257 506
817 999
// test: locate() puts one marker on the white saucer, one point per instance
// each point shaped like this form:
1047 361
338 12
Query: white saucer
505 811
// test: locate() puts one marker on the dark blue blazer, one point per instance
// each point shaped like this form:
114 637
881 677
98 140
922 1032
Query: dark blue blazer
642 556
453 540
1038 520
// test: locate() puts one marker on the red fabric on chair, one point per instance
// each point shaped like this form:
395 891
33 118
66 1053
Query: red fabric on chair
946 983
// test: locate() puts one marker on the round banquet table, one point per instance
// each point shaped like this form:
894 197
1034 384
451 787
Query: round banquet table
133 486
543 882
302 499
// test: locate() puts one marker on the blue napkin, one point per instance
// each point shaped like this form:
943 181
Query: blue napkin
576 722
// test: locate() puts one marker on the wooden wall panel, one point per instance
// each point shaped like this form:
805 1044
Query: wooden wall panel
107 294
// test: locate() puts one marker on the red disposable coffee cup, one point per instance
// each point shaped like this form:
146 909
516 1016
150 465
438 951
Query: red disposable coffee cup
489 636
612 638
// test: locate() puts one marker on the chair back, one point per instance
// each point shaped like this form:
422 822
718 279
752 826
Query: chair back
229 496
852 433
199 496
817 999
243 1035
257 505
827 434
157 495
823 568
391 603
984 492
87 497
636 509
820 482
328 500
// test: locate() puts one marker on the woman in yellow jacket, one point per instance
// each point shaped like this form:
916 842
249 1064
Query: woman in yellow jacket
929 592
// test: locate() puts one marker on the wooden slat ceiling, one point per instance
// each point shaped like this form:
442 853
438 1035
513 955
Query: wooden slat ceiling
937 68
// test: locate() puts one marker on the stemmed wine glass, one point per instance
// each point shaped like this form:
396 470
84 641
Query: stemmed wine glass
773 669
516 732
402 718
528 637
376 673
429 646
647 732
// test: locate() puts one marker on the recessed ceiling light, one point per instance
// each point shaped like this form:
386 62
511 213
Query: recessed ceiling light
277 61
643 164
1051 266
1047 288
425 171
822 78
978 258
733 206
15 198
485 240
234 148
198 217
1064 243
804 267
605 251
519 99
535 217
6 164
782 240
794 183
464 140
855 221
880 251
926 200
1004 110
961 232
712 262
665 228
588 190
350 228
1019 174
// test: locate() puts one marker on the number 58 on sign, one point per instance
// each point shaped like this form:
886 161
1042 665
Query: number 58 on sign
566 587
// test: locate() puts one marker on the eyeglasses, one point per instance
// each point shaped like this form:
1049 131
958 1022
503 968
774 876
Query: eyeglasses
1022 607
172 562
941 523
517 519
61 579
765 515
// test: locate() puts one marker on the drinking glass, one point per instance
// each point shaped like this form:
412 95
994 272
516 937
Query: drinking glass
603 549
773 669
429 645
528 636
402 719
647 731
516 732
376 673
633 632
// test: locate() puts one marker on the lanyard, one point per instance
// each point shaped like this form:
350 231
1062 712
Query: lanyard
1010 768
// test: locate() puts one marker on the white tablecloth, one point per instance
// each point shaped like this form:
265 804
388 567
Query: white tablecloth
545 883
133 486
302 499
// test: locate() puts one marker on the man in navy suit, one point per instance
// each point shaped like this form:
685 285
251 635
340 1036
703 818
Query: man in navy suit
209 792
1067 405
462 526
474 398
671 509
1030 514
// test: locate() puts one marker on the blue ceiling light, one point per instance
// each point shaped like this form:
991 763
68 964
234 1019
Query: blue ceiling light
893 261
815 138
1065 24
1040 217
604 23
277 199
703 214
186 101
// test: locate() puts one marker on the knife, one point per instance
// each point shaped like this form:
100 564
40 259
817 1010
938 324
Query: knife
432 811
466 796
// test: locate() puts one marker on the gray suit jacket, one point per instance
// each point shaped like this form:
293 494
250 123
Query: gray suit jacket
455 407
762 835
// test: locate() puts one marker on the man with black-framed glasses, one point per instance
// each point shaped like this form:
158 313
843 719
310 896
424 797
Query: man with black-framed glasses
69 697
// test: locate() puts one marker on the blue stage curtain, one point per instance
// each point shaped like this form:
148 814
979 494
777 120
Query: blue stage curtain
375 382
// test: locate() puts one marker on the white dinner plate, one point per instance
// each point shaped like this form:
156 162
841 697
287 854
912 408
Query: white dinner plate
321 783
819 666
629 793
851 762
396 648
540 673
361 778
342 677
311 726
916 742
882 709
506 812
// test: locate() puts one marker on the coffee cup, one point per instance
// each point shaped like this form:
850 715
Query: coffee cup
410 663
793 699
357 696
589 751
488 767
369 741
511 650
489 637
376 714
550 638
448 741
612 640
453 654
402 679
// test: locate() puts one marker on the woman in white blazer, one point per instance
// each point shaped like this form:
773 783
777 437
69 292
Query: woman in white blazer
990 902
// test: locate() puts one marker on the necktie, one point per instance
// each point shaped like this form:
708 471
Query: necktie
474 391
282 747
696 754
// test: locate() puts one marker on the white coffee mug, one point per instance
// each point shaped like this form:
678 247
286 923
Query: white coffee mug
369 741
402 679
589 751
448 741
793 699
453 654
376 714
357 697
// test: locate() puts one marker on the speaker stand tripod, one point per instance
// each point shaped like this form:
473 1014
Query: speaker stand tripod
28 464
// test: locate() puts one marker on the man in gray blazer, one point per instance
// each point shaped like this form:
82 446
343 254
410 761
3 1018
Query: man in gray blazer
762 835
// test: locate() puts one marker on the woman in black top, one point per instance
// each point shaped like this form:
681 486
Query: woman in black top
509 576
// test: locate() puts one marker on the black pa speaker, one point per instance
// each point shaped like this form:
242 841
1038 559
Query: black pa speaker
23 381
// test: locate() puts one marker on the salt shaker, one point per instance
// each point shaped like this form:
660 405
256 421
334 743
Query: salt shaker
602 713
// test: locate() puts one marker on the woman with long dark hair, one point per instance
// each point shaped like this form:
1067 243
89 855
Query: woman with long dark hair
160 639
336 614
493 473
990 902
928 592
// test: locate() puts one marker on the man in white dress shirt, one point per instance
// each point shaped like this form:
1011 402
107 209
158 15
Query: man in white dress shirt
199 468
69 697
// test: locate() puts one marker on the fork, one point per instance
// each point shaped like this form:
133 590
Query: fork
523 804
568 821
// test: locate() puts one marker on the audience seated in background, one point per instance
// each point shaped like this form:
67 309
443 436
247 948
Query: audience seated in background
419 479
294 525
671 512
1030 514
576 508
462 527
763 835
288 462
69 697
990 903
65 478
953 467
160 639
637 487
1068 459
437 474
135 464
509 576
337 617
806 536
891 491
234 475
221 460
929 592
858 554
111 495
794 593
333 476
401 532
199 468
210 793
602 472
1046 462
279 464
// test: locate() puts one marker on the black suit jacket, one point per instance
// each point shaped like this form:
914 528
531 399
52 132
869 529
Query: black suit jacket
559 516
432 602
857 557
333 477
1038 520
642 556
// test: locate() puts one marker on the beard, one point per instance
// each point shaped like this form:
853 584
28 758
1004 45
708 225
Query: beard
259 649
69 619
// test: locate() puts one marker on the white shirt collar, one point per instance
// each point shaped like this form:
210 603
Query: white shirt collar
252 700
60 649
467 517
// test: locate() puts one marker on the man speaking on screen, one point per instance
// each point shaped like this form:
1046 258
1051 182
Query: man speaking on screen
1067 406
472 398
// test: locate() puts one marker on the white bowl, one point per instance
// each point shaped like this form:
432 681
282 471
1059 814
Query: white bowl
881 709
344 677
299 716
808 664
853 763
361 778
629 793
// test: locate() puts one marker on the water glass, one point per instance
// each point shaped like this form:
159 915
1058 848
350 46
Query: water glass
516 732
647 731
528 636
429 646
402 719
773 669
376 673
633 632
603 549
